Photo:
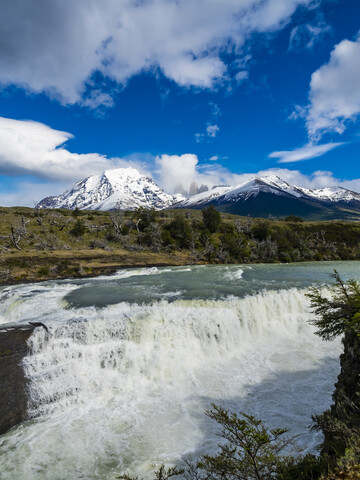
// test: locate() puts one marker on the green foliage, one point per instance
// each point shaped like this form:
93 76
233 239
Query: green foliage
261 230
251 452
235 240
76 212
160 474
293 218
339 312
236 245
125 229
180 231
146 216
110 235
43 271
211 218
309 467
78 229
166 238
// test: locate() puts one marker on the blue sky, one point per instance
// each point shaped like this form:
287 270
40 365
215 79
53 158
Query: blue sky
211 91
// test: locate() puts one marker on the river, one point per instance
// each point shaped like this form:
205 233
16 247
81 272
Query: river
132 360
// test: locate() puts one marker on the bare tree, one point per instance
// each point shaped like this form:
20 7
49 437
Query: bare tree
117 219
18 232
60 225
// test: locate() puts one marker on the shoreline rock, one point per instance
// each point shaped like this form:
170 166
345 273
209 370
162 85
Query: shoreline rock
13 383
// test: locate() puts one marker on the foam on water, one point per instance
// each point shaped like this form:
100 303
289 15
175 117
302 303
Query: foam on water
19 304
235 275
124 387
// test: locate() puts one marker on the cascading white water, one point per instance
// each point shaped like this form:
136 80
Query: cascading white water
125 387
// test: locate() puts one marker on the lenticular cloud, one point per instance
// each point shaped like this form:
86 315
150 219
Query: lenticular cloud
28 147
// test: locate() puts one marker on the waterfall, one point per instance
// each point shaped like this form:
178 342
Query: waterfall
125 387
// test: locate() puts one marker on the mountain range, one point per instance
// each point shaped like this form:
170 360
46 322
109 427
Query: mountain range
128 189
270 195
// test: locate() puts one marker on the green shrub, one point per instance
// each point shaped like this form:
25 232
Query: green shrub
76 212
179 229
78 229
43 271
211 218
293 218
261 230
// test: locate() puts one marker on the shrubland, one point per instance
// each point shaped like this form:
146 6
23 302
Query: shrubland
37 244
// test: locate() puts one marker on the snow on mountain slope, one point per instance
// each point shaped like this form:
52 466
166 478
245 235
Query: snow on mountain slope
332 194
244 190
262 184
121 188
203 197
128 189
269 184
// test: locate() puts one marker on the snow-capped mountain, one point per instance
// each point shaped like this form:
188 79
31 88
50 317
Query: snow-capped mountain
128 189
120 188
333 194
270 184
263 196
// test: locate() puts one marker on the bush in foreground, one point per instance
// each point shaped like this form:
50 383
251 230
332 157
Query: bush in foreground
251 451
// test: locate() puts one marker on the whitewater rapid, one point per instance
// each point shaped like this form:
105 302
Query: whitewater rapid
123 387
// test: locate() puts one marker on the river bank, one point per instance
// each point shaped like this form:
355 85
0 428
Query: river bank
58 244
18 267
13 383
32 267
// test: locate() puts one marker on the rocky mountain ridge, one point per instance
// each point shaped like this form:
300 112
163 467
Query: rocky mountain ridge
116 189
264 196
128 189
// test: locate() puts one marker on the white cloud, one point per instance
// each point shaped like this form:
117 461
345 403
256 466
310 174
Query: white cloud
215 110
303 153
241 76
212 130
27 193
56 47
32 148
97 98
214 158
334 91
175 170
170 171
199 137
308 35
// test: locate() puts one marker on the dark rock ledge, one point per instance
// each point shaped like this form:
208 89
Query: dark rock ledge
13 383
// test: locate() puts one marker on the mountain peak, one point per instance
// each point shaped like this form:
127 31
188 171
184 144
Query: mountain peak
118 188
